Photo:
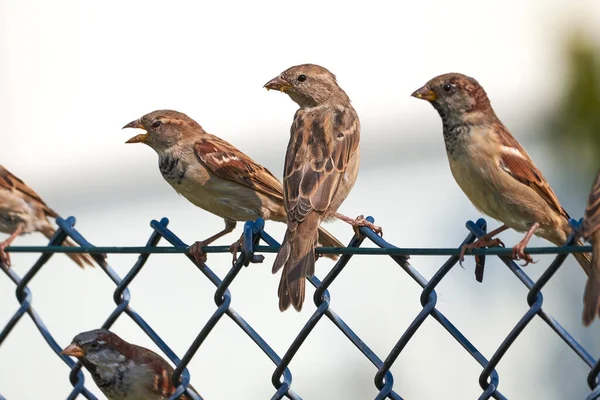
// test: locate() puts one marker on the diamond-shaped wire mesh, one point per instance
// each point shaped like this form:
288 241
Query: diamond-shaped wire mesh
282 375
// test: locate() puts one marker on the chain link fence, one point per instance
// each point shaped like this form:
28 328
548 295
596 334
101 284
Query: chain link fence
282 375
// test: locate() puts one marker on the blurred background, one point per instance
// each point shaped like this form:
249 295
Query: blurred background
73 73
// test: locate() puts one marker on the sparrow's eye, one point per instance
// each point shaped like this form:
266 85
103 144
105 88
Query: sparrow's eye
447 87
93 345
156 123
301 78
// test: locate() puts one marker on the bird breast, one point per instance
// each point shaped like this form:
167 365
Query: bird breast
16 211
475 167
222 197
126 381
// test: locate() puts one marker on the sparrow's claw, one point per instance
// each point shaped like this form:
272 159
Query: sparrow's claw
4 256
196 252
461 256
361 221
518 253
495 243
235 247
479 243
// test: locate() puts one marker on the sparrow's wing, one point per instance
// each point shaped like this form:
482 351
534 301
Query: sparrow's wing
227 162
515 160
321 144
591 219
162 372
10 182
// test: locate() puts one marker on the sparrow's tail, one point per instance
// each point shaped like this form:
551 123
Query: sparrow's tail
80 259
326 239
297 257
591 296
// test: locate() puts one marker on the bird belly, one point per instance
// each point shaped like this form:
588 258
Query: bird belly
480 185
221 197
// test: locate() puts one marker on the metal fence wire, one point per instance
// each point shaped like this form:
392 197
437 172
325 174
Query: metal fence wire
282 375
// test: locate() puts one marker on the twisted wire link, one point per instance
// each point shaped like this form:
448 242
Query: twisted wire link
535 301
428 301
25 297
122 297
322 301
252 233
282 376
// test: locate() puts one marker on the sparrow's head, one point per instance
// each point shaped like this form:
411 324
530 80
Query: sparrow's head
455 96
164 129
98 349
309 85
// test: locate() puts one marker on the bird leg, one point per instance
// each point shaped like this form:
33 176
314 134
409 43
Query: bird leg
359 222
484 241
235 247
5 257
518 252
196 249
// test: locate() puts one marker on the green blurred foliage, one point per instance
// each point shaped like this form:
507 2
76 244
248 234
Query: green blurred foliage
575 123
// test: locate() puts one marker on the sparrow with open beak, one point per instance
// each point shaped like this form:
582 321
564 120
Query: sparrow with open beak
23 211
213 175
321 166
492 168
123 371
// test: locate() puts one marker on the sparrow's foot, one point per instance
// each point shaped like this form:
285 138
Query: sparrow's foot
4 256
196 252
362 221
518 253
235 247
479 243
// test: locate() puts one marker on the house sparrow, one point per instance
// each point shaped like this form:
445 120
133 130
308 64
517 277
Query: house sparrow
23 211
321 166
213 175
492 168
121 370
591 223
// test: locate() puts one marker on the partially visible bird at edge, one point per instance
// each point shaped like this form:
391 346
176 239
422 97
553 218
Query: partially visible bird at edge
23 211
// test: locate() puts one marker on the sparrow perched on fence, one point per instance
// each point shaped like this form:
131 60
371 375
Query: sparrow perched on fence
591 223
23 211
492 168
121 370
213 175
321 166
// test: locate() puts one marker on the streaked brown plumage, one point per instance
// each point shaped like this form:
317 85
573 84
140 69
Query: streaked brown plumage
492 168
123 371
213 175
23 211
321 166
591 223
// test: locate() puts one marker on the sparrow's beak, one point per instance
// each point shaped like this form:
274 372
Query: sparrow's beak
141 138
134 124
278 84
425 94
73 350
